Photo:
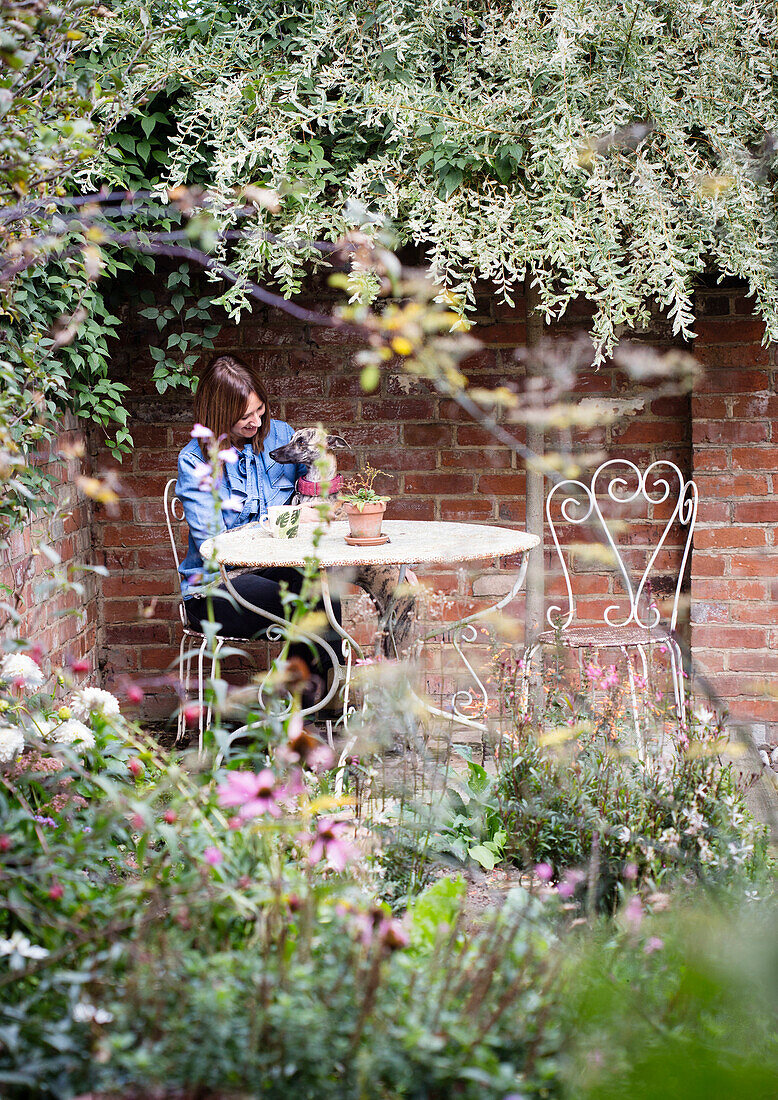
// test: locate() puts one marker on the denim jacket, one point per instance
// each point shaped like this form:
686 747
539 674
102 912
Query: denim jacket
255 481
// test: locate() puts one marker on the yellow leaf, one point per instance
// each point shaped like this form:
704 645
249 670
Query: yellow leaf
402 345
97 490
327 802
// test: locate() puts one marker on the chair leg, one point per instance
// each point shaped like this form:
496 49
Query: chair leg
639 743
214 659
200 695
189 657
676 664
643 661
181 657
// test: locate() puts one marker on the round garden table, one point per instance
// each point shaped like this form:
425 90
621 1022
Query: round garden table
411 542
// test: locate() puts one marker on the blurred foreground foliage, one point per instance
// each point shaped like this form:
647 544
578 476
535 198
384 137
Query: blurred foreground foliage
199 928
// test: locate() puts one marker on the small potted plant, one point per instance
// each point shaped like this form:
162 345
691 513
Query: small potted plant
364 507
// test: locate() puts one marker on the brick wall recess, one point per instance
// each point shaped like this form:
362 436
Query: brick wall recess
445 467
59 622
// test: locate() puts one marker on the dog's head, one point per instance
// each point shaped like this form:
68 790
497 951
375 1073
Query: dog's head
307 446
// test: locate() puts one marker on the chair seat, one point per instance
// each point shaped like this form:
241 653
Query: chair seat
191 633
605 636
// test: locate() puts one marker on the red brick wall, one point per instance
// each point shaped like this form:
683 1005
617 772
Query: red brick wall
446 467
735 569
62 623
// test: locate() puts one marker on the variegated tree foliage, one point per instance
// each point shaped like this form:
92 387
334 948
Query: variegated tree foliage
613 150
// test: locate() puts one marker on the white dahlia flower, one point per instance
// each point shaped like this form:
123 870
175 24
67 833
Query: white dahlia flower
43 727
19 667
19 945
11 743
88 701
74 732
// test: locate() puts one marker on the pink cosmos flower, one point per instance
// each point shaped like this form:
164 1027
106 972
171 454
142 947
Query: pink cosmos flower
544 871
213 856
633 912
653 944
328 845
199 431
204 474
611 678
566 887
254 794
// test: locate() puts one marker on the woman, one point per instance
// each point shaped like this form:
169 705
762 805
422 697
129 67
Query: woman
232 403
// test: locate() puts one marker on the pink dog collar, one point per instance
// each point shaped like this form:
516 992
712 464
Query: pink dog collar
308 488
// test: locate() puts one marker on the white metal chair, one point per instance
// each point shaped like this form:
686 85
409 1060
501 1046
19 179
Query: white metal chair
635 621
194 644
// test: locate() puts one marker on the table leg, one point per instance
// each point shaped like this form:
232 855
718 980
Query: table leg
464 630
350 646
278 630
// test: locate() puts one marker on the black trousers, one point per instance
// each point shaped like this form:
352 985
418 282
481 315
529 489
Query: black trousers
263 589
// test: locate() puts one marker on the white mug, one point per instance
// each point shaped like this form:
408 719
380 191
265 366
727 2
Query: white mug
282 521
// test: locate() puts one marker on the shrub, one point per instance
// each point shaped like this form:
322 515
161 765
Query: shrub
582 801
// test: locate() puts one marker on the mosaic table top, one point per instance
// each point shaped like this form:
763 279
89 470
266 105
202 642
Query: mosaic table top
412 542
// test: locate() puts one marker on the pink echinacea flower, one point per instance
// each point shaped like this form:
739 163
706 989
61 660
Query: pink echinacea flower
328 845
254 794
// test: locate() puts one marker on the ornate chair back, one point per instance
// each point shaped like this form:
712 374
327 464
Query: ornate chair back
670 500
174 518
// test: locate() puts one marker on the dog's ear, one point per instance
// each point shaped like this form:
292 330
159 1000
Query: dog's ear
335 441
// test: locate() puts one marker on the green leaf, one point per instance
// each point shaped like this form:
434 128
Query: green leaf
437 906
481 854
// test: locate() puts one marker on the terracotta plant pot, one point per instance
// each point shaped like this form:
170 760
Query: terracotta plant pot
365 524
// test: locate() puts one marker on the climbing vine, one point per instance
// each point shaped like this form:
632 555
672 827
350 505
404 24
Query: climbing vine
614 151
608 150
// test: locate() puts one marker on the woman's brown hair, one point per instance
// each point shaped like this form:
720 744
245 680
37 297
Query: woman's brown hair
223 393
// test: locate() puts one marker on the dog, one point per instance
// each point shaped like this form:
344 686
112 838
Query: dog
313 447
